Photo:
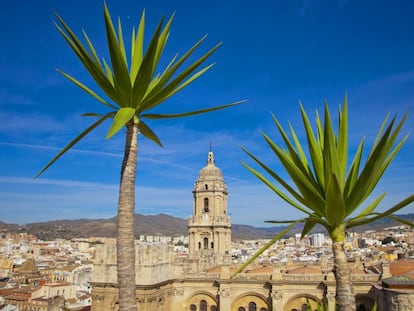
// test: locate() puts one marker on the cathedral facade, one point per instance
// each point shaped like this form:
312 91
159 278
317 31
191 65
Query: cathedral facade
202 281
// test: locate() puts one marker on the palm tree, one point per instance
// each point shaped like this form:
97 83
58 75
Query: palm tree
326 189
133 89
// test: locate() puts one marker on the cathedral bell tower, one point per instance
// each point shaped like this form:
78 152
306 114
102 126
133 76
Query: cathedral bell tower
209 227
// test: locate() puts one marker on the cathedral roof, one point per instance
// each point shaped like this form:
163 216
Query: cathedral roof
219 269
401 267
304 270
210 171
261 270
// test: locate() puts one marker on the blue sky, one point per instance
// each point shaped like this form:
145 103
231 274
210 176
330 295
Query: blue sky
274 54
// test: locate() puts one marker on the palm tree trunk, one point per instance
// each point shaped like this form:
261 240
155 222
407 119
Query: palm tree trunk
126 228
345 299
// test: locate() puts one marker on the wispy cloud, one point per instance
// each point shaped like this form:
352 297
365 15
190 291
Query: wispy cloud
19 123
54 182
72 150
56 199
8 98
389 94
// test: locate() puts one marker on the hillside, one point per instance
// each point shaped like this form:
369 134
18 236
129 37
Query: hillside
161 224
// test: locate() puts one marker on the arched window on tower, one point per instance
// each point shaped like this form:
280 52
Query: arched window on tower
199 245
206 187
205 243
193 307
206 205
203 305
241 309
212 244
252 306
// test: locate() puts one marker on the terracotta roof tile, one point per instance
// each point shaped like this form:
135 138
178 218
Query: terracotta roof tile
401 267
305 270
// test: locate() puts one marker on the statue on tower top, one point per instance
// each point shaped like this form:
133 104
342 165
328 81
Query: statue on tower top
210 159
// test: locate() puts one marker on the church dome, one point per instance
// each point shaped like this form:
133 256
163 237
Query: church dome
210 171
29 266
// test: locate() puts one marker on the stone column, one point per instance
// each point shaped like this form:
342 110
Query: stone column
331 300
224 289
331 290
276 293
224 297
277 302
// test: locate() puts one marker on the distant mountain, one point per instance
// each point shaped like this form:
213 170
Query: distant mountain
8 227
162 225
83 228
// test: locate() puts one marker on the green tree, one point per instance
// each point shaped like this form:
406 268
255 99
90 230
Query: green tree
133 88
388 240
328 190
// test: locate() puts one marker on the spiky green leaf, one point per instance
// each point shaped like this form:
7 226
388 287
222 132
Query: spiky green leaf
148 133
74 141
93 68
122 117
118 61
137 49
342 148
315 151
166 87
146 70
335 204
278 236
277 190
190 113
368 210
86 89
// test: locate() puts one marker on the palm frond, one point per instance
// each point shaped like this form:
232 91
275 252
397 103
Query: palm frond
137 49
330 154
342 147
86 89
146 70
167 87
377 216
148 132
88 61
122 117
76 140
335 204
375 166
314 148
302 180
278 236
190 113
118 59
273 187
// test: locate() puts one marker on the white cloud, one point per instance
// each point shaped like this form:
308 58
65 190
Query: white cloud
8 98
13 122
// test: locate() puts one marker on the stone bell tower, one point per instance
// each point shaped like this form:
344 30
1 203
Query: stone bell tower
209 227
